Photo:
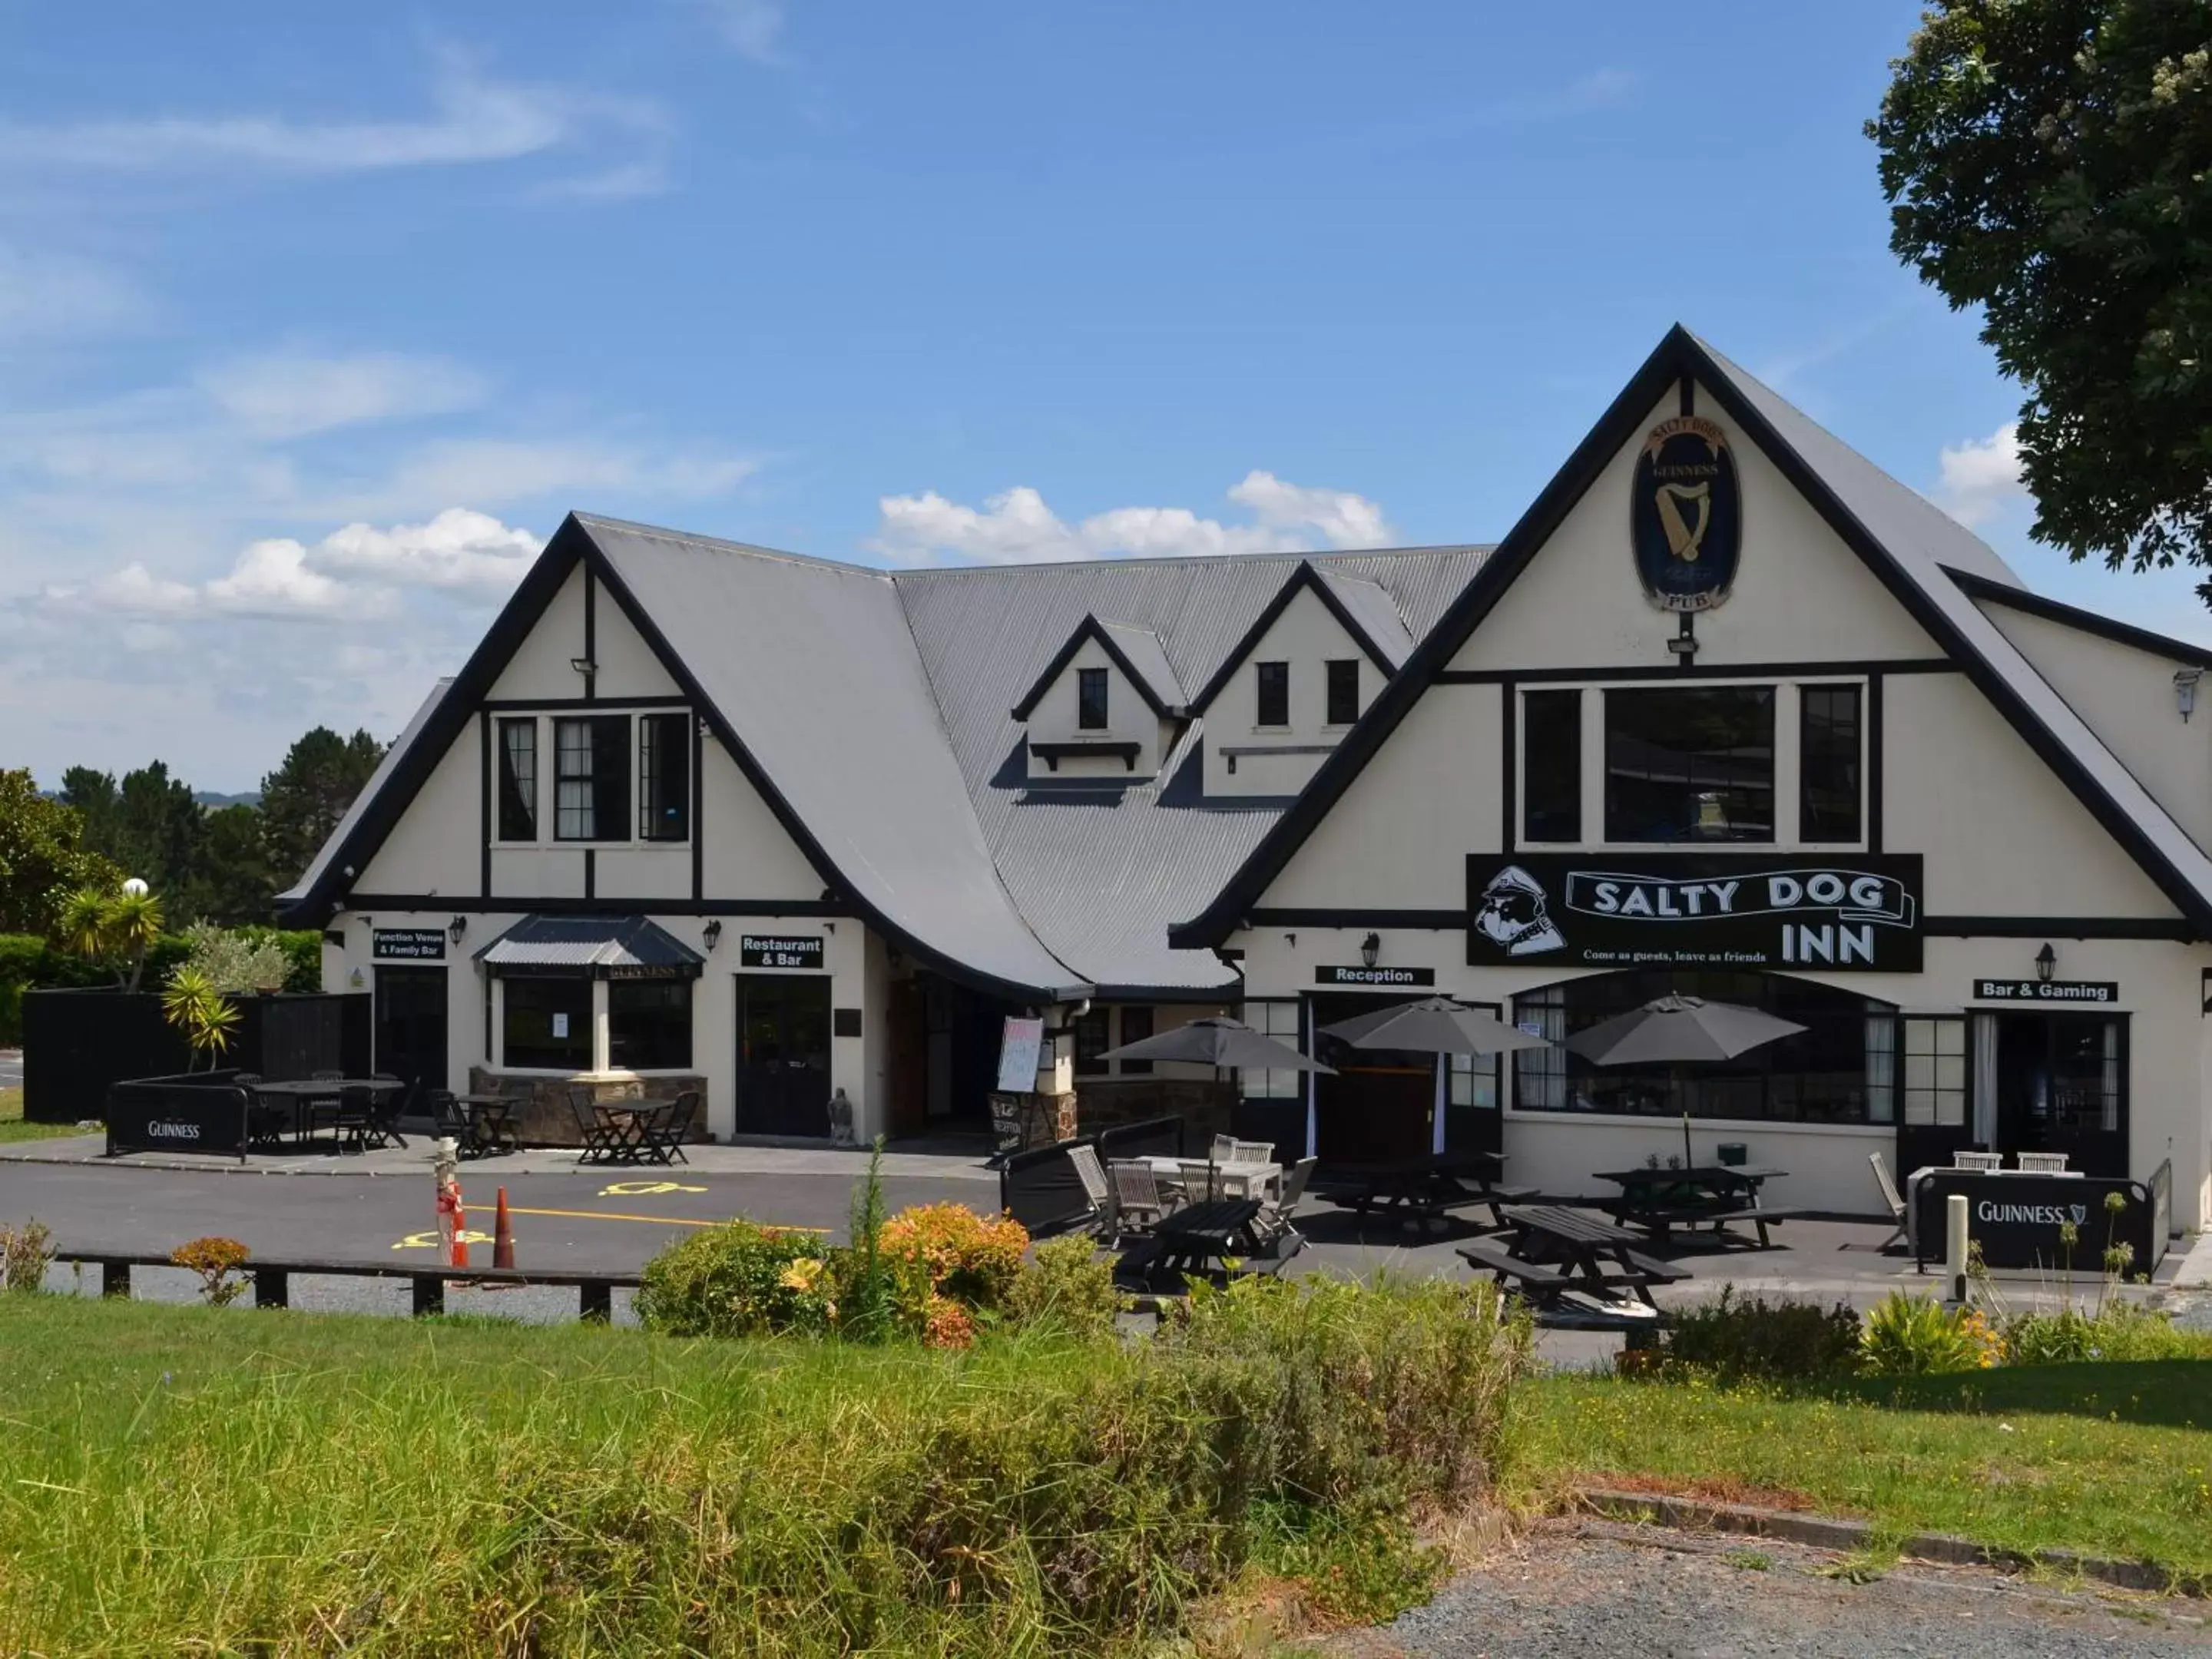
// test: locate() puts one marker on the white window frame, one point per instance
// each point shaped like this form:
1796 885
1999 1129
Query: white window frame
546 782
602 1039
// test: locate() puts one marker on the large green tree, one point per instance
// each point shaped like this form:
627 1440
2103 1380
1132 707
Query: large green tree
2048 162
234 886
151 826
303 799
43 858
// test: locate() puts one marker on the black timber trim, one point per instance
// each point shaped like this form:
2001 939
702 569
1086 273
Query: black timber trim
1053 753
698 814
501 904
1509 786
486 783
1218 995
590 636
1091 629
1983 589
1702 670
1678 355
550 705
591 874
1877 765
2135 928
1305 576
572 545
1358 918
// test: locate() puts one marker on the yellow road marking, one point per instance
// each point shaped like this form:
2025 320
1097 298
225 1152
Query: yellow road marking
431 1240
663 1220
645 1188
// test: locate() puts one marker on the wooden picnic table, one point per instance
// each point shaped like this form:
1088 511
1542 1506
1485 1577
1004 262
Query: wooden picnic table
1424 1189
1202 1239
1716 1195
1553 1252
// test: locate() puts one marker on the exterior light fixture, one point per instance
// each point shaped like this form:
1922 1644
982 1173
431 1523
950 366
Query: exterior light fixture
456 927
713 934
1370 948
135 888
2184 691
583 664
2046 964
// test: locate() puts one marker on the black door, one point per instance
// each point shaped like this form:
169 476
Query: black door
783 1054
2061 1087
1380 1107
410 1027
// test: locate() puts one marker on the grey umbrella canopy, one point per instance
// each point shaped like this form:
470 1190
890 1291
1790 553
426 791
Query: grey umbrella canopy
1219 1042
1433 1026
1679 1028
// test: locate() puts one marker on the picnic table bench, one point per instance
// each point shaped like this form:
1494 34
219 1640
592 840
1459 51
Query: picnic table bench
1719 1196
1424 1189
1554 1250
1203 1239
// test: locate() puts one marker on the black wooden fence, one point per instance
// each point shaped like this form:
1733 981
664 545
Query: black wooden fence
78 1043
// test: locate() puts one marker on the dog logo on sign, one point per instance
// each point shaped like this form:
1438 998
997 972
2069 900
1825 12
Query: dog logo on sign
1516 915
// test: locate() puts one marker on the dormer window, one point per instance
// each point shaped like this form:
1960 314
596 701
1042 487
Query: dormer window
1343 691
1091 699
1274 700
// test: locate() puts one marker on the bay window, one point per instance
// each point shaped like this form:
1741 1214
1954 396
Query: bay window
648 1025
547 1023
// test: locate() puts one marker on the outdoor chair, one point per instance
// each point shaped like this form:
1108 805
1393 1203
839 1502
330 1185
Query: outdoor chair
1095 1188
1224 1150
352 1119
1984 1161
1251 1151
447 1120
1889 1197
2042 1163
1275 1213
266 1122
1138 1200
665 1133
596 1136
385 1109
325 1077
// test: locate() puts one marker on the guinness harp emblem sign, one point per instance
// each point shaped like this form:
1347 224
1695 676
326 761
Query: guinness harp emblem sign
1686 520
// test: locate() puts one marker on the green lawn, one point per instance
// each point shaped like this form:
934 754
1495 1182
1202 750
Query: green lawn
12 1127
2111 1459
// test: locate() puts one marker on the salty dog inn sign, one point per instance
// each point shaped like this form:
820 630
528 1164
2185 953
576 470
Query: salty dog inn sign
1694 910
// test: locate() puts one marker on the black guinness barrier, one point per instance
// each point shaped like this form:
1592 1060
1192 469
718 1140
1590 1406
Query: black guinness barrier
2016 1218
1155 1137
197 1112
1041 1189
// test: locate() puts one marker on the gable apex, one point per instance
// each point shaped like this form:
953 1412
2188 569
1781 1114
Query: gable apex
1135 650
1361 616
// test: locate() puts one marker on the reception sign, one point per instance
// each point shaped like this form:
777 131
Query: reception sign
1855 912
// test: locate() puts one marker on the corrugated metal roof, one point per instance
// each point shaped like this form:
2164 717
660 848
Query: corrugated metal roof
1373 609
602 943
1150 658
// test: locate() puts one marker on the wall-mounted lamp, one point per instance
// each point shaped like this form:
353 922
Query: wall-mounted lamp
355 979
1291 939
828 927
713 934
1370 948
2046 964
583 664
456 927
2184 691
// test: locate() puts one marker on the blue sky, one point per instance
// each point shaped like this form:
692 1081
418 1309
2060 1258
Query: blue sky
314 320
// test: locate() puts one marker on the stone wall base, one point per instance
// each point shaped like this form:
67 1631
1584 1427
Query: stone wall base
547 1119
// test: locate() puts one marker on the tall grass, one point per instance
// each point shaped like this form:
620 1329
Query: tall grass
181 1479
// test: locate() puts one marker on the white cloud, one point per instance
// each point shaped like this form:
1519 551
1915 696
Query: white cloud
1018 527
292 396
459 548
749 28
44 294
272 579
1980 477
494 471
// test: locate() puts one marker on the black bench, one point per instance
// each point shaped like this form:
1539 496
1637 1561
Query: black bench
1486 1256
272 1280
1659 1222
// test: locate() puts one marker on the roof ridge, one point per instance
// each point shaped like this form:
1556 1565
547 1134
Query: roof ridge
753 550
1110 561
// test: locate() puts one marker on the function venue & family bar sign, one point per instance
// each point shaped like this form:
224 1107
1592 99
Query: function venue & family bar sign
1860 913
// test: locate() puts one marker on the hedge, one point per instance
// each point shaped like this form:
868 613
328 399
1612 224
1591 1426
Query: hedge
28 962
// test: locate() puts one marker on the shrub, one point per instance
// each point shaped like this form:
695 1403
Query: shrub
1734 1340
237 962
967 1258
1068 1283
1907 1335
739 1280
215 1261
26 1252
2120 1332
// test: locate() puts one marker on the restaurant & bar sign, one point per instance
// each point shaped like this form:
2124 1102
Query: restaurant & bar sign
1856 912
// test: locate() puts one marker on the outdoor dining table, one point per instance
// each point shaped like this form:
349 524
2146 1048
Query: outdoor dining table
1200 1237
490 1119
301 1093
1226 1179
1553 1251
1715 1196
1426 1187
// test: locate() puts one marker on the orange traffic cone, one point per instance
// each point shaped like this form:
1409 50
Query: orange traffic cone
502 1237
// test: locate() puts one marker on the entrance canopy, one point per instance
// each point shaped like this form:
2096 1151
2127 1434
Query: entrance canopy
603 947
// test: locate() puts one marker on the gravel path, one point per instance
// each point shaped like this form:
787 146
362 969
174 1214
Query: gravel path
1583 1589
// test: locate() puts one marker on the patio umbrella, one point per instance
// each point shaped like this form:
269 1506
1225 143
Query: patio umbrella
1219 1042
1679 1028
1433 1026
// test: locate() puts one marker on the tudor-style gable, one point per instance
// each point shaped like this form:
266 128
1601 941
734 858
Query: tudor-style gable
1107 706
1822 619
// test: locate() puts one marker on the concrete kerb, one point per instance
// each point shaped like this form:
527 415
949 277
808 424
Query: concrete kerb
1833 1533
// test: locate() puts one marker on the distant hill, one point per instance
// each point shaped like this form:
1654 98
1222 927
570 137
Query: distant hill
208 798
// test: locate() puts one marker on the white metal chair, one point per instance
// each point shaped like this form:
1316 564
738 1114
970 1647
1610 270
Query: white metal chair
1889 1196
1138 1201
2042 1163
1252 1151
1275 1213
1224 1150
1096 1186
1982 1161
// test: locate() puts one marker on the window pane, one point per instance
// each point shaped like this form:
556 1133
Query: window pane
1695 764
1274 694
1552 766
610 777
518 780
572 788
547 1023
1344 692
649 1024
1091 1042
1278 1020
664 774
1091 699
1136 1026
1828 763
591 778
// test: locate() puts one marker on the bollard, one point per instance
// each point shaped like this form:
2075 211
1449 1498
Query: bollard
502 1237
453 1219
1954 1244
